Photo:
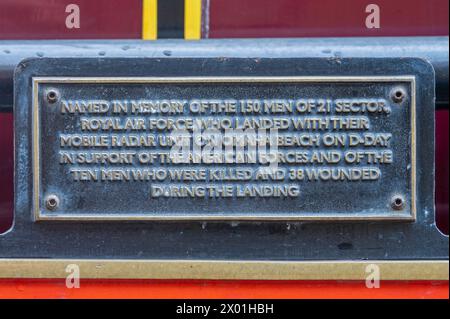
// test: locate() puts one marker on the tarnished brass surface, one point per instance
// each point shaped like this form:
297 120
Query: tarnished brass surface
346 148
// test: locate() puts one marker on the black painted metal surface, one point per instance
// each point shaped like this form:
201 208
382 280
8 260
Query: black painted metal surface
227 240
433 49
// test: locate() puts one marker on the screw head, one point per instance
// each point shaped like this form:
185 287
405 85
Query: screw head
52 202
398 95
397 202
52 96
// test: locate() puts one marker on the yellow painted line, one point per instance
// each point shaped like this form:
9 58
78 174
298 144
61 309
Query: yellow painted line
149 19
225 270
192 19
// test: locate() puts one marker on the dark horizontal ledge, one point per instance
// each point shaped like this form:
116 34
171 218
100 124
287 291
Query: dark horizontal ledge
433 49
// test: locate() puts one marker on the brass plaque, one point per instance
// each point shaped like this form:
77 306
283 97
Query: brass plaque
224 148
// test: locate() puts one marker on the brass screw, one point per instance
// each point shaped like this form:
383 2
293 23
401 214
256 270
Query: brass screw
397 202
52 202
52 96
398 95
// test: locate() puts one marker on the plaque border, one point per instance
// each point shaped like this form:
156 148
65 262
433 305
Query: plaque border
39 216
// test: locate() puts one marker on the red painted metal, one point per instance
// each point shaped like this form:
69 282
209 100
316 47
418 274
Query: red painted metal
325 18
6 171
46 19
229 289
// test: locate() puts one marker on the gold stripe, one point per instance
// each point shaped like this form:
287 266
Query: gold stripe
192 19
224 270
149 19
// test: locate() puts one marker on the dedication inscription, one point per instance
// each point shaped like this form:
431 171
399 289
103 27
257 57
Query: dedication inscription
297 148
224 148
